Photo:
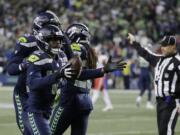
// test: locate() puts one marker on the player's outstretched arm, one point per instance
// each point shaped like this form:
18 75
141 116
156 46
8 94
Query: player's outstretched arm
114 65
110 66
151 57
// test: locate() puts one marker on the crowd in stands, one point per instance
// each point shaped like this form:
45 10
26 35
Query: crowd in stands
109 22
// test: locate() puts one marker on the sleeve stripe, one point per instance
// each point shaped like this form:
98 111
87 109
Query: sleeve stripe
43 61
152 52
32 44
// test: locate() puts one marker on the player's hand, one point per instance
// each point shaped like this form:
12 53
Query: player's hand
65 71
24 65
114 65
131 38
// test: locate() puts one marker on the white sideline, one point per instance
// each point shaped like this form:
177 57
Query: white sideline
128 133
10 106
7 89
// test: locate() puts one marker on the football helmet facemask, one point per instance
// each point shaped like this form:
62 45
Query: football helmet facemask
50 39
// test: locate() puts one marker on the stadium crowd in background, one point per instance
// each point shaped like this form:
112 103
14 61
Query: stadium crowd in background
108 20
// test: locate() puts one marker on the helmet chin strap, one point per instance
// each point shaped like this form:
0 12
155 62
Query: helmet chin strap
55 50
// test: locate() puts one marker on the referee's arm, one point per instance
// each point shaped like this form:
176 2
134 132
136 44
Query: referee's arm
151 57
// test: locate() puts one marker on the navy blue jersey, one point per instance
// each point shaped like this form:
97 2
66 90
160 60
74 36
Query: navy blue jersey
41 81
75 93
25 45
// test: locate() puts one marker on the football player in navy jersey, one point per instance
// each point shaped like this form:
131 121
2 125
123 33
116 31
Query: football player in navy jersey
25 45
47 66
75 102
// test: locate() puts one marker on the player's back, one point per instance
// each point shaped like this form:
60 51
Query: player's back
25 45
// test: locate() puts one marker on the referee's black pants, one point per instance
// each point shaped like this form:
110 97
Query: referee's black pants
166 115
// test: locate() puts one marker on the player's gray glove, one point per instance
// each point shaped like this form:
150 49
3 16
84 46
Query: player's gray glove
65 71
114 65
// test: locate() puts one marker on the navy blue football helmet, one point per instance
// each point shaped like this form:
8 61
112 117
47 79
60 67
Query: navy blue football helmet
45 18
49 38
78 33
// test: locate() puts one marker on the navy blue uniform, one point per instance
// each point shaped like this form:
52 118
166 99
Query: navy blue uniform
145 78
24 47
75 103
42 86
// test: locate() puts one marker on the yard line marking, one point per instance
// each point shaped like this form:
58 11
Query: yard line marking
97 107
6 106
7 89
7 124
122 91
123 119
123 106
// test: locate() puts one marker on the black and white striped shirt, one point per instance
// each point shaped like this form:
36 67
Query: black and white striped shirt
167 71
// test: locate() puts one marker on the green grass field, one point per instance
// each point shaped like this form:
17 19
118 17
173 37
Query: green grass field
124 119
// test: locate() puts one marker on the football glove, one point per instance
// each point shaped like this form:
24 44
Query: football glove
114 65
65 71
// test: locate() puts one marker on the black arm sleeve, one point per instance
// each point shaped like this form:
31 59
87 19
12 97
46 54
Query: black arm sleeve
151 57
90 74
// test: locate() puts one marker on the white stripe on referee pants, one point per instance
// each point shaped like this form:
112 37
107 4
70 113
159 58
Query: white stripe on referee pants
169 130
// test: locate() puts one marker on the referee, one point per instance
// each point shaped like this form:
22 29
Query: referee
166 81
